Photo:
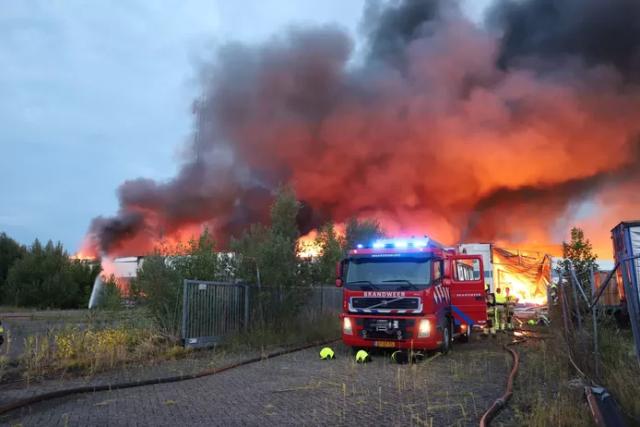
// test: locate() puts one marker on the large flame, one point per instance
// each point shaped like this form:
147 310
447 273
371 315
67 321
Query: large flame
308 246
525 274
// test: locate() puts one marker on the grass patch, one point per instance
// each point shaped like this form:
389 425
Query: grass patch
89 343
88 351
105 341
547 392
301 331
619 369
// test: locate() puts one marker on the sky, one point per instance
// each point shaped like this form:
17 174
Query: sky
93 93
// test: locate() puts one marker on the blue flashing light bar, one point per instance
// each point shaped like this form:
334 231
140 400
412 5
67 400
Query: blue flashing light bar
401 243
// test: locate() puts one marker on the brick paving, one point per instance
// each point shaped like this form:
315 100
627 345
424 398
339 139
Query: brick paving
300 389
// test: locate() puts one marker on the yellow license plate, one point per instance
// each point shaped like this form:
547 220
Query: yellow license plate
384 344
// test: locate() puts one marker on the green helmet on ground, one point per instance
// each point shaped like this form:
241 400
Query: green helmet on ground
362 357
327 353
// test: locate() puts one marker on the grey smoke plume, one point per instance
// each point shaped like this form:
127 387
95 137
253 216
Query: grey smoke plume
445 127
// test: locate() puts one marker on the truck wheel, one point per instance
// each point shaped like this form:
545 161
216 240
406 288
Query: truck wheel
446 339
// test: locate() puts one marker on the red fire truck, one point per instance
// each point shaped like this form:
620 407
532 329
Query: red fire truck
410 294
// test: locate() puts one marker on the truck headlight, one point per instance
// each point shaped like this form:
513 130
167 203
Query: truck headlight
424 329
346 326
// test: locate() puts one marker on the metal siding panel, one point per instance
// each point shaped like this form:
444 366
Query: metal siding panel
634 238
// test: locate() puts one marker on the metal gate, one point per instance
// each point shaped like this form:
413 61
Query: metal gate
212 310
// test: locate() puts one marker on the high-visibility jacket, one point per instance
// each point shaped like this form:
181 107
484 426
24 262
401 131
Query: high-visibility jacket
501 298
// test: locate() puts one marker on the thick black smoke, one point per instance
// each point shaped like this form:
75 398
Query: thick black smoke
597 32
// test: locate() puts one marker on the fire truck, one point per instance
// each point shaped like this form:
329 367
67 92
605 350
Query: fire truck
410 294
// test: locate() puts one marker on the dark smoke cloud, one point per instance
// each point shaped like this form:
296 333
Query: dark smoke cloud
445 127
598 32
390 29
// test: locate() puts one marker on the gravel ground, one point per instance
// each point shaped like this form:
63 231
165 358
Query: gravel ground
295 389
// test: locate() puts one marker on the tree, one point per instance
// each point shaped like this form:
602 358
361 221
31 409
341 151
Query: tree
272 249
111 297
159 282
362 231
10 252
580 252
284 212
273 252
332 248
45 277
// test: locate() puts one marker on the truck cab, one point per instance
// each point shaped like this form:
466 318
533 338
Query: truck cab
410 294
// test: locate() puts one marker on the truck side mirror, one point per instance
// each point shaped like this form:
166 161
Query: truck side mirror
339 282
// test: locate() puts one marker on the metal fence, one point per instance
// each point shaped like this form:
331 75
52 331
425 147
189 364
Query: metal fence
212 310
215 310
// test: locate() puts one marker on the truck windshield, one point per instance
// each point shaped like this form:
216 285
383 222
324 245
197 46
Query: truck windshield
388 273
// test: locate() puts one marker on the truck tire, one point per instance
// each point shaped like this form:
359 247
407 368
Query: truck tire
446 339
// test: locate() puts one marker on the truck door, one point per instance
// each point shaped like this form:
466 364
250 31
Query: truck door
466 287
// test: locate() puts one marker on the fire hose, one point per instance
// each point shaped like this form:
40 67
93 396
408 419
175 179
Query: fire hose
20 403
501 402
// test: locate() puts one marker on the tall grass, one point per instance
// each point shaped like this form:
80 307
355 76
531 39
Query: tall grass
299 331
547 392
619 369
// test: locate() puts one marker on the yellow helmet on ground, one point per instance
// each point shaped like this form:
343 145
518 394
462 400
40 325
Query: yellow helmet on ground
362 357
326 353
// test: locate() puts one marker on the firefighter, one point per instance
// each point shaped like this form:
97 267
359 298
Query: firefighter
327 353
553 293
509 303
490 327
499 312
362 357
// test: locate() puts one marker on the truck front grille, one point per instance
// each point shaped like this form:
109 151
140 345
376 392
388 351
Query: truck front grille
386 329
385 305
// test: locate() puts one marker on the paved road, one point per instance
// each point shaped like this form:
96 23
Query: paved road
300 389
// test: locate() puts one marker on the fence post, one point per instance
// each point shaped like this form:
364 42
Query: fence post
185 309
575 300
594 317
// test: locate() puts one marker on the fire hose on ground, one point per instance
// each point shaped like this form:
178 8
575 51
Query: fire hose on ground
152 381
501 402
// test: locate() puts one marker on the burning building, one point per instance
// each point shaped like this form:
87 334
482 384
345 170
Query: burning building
527 274
508 131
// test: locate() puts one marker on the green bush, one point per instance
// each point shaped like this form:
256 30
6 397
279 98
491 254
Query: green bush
110 298
45 277
159 282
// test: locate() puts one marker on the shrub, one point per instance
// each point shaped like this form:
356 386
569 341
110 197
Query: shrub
45 277
159 283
